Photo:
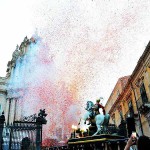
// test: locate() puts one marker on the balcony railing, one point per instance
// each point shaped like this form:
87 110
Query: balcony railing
143 106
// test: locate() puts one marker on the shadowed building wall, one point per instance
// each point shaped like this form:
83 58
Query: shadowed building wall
134 99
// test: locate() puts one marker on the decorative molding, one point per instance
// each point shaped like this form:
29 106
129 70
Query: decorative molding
139 81
18 53
119 108
128 97
113 116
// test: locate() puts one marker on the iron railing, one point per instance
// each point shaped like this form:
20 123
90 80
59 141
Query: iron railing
22 134
56 148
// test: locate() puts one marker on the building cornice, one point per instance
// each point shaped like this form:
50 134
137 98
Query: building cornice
141 61
130 80
120 97
119 80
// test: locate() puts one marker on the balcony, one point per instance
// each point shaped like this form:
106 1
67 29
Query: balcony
143 105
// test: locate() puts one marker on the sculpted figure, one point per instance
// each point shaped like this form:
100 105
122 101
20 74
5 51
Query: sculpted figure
95 110
97 106
98 119
41 117
15 54
8 69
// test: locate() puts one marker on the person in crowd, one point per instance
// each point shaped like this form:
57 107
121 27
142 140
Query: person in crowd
143 142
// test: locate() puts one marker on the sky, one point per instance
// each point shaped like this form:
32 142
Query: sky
106 37
92 43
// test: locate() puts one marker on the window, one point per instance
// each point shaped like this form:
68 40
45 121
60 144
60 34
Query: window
131 111
143 93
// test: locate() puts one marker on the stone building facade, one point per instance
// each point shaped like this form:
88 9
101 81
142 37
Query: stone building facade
115 117
11 91
3 94
134 99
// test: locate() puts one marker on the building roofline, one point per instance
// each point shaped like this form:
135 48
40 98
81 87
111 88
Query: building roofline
120 79
140 60
133 74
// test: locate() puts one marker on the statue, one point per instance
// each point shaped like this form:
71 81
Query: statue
41 117
15 54
9 67
42 113
26 41
97 106
95 117
95 110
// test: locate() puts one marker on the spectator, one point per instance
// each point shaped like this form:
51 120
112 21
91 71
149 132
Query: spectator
142 143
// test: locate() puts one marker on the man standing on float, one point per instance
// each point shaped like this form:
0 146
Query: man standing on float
97 106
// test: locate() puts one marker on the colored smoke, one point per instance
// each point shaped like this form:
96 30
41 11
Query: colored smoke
39 84
84 47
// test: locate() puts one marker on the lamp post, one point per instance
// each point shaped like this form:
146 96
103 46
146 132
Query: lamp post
40 120
88 131
74 130
83 130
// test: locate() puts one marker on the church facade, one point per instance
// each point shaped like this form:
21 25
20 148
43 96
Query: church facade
11 89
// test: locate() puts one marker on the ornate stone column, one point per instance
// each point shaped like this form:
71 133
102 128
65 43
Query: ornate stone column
6 110
9 108
12 110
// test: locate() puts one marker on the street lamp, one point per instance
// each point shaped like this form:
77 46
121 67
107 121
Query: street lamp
74 130
83 130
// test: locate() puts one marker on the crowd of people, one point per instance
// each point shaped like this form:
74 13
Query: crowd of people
142 142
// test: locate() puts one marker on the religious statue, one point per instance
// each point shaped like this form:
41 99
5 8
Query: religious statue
26 41
42 113
95 117
15 54
95 110
9 67
41 117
